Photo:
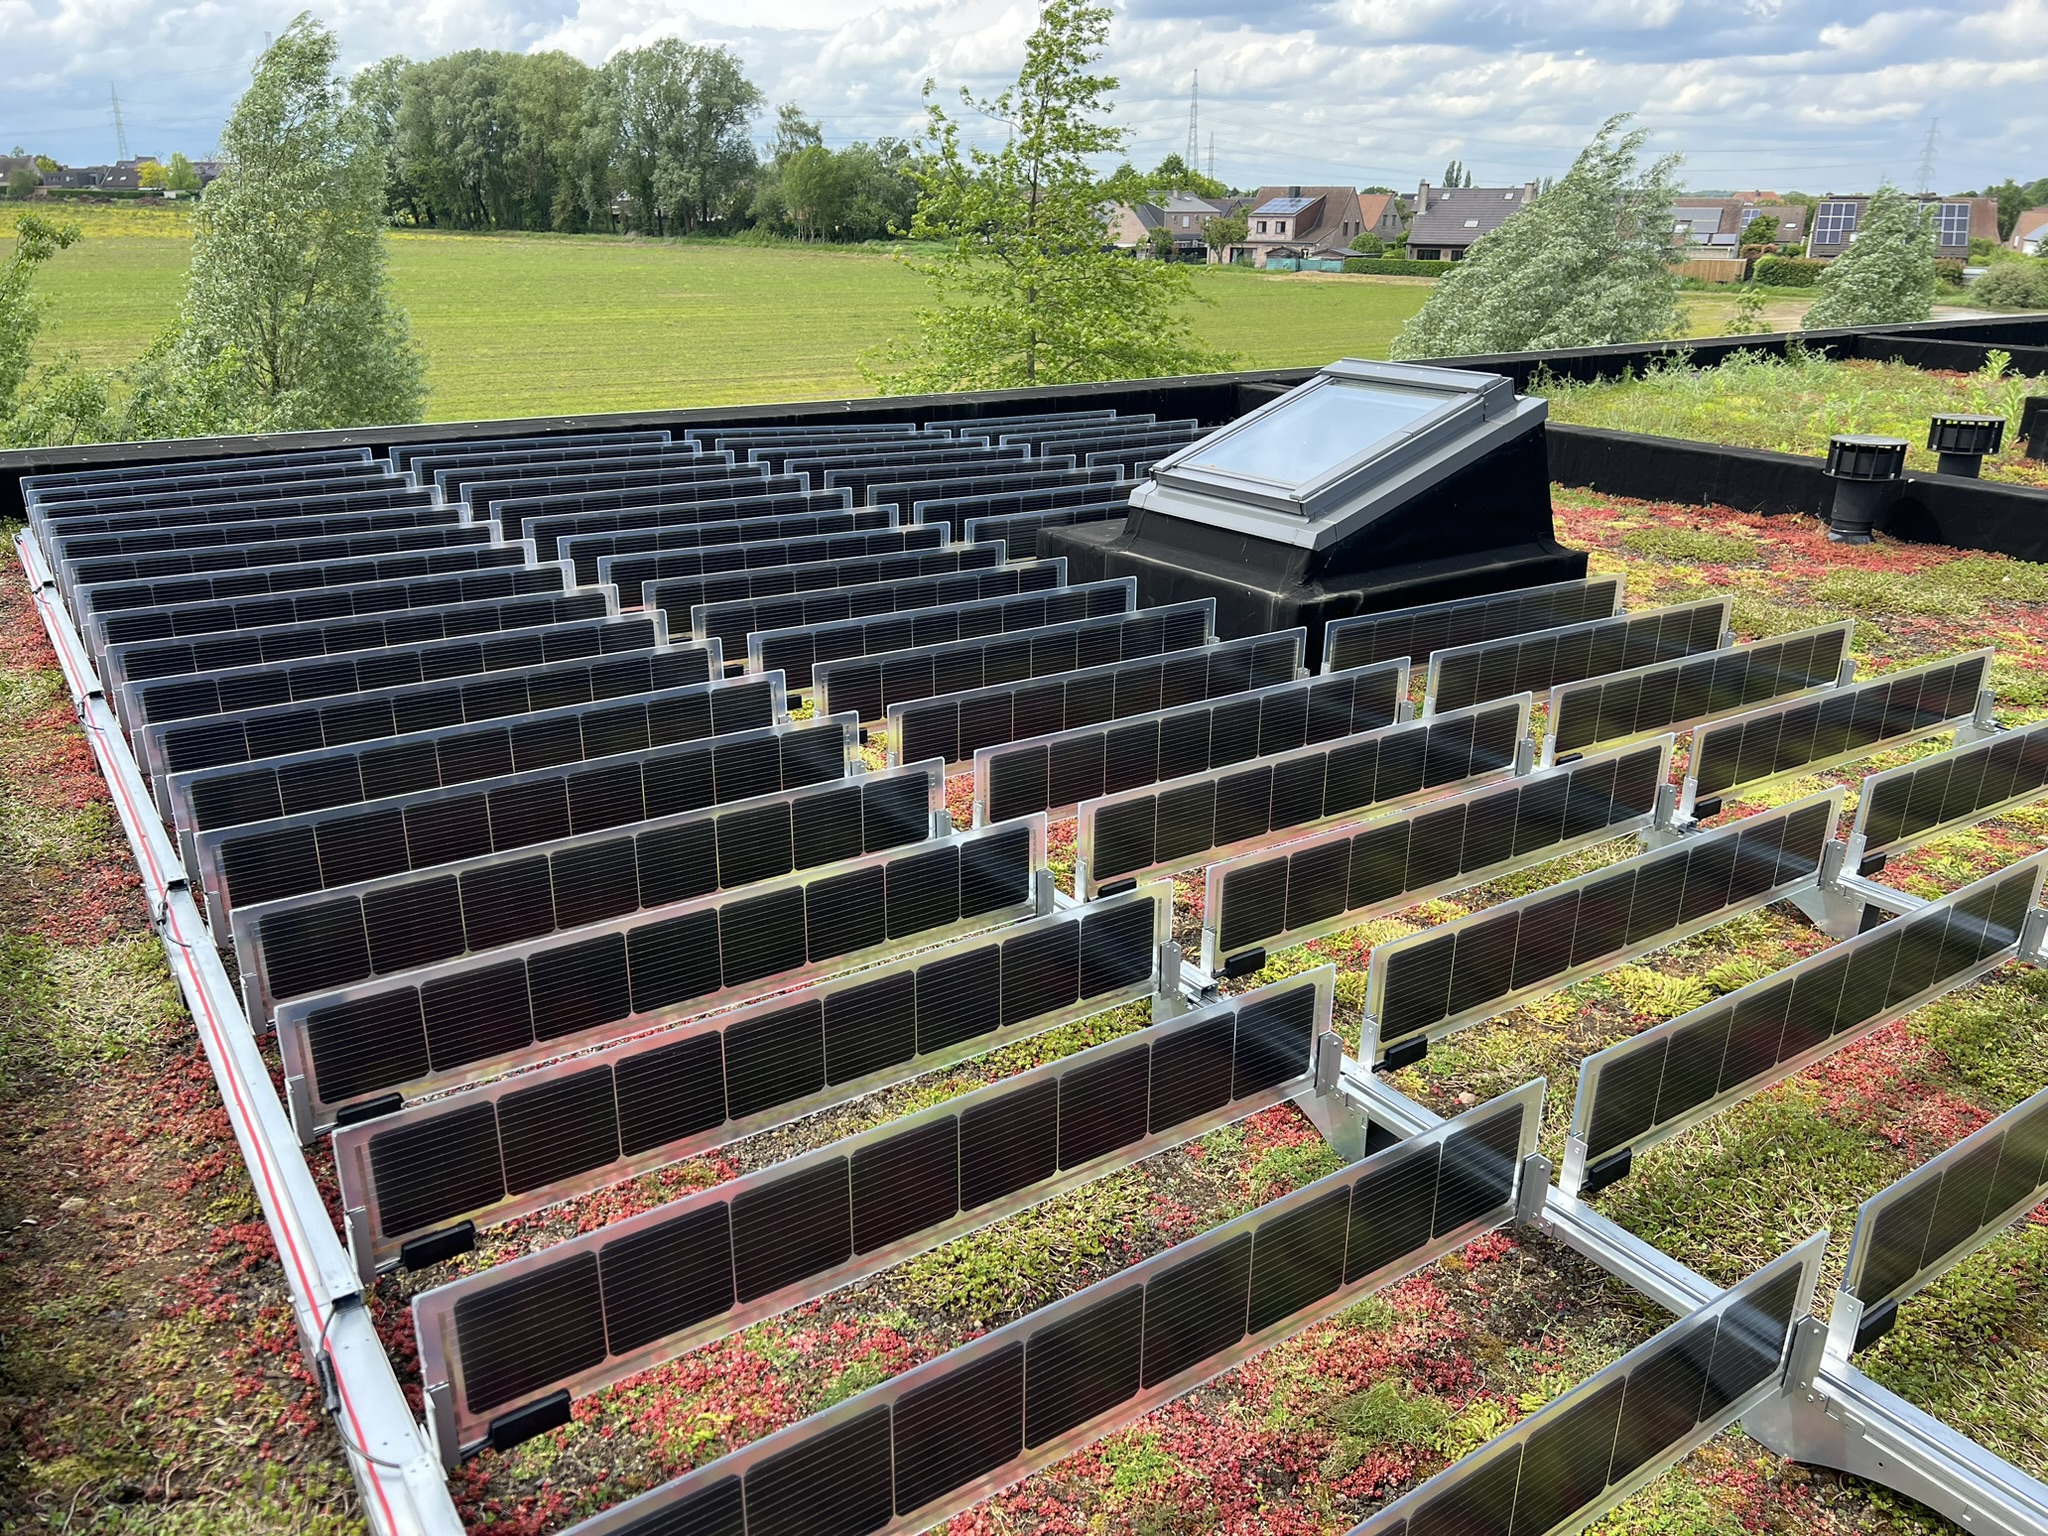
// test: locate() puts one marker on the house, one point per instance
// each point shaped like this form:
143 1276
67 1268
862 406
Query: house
2030 232
1381 213
1719 226
1447 220
1131 224
1957 221
1294 224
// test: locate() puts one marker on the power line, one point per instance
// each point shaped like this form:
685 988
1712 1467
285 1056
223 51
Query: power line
1193 157
1927 159
120 128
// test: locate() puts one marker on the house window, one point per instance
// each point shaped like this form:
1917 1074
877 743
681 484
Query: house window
1183 221
1834 223
1262 226
1955 224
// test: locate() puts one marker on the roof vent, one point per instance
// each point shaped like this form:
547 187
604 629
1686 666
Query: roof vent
1962 441
1860 467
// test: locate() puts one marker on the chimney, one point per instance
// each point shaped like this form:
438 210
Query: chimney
1422 198
1530 190
1294 191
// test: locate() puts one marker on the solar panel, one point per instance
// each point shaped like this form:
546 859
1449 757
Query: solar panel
876 685
1531 663
666 497
773 452
1650 1087
222 523
479 493
780 1236
1903 807
1023 428
717 746
82 481
739 517
1178 823
161 506
957 726
1429 984
1416 632
986 1413
823 428
1807 735
1057 770
1349 875
1129 463
450 479
690 571
958 509
281 556
1161 441
285 728
403 454
1584 1452
1921 1226
1034 602
424 468
1020 531
881 487
1672 695
1184 428
825 465
468 1019
431 909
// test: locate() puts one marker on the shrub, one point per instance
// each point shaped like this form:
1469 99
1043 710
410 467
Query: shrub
2014 285
1949 270
1788 272
1394 266
1369 244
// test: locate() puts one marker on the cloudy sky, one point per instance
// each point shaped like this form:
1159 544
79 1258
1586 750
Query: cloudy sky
1806 94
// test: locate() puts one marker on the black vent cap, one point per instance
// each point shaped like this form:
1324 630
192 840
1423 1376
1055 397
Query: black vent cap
1866 458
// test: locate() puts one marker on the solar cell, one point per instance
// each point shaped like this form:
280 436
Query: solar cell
1353 874
231 523
676 580
1672 695
1089 1363
826 1218
1176 823
1903 807
1431 983
1533 662
1414 633
879 686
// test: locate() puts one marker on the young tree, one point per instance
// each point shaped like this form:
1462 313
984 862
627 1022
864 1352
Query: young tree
1761 230
1587 264
1366 243
181 175
54 402
1224 231
22 182
1887 273
36 240
151 176
1029 292
288 275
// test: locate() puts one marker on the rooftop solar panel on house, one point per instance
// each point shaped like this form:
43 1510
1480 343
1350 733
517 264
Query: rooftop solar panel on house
905 1455
1183 427
403 454
1587 1450
783 1235
1903 807
765 823
1020 531
731 515
81 481
1418 632
1022 596
294 825
1537 662
1432 983
313 543
1165 437
1178 823
468 1019
956 726
1022 426
1650 1087
1352 874
1807 735
1672 695
873 686
1129 463
882 487
1055 771
675 581
287 728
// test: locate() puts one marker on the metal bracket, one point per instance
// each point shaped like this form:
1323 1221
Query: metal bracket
1533 1193
1525 757
1329 1063
1848 673
1168 1001
1983 722
1834 911
2034 935
1044 892
942 823
1802 1361
1668 824
355 1226
299 1106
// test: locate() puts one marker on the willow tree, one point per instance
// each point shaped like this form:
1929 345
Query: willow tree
1887 274
1028 290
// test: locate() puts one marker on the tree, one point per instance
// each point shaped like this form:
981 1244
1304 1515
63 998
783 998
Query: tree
1887 273
181 175
1366 243
1160 242
1029 293
1761 230
152 177
1456 175
22 182
1587 264
288 288
36 240
814 191
1224 231
671 119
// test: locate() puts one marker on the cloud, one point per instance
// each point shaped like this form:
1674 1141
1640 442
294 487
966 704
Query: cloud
1805 93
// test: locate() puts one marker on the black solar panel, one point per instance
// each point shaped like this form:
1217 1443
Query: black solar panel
1651 1086
1036 1389
1350 875
1460 972
1909 804
464 1019
230 523
906 490
878 686
709 521
160 507
362 538
426 467
1416 633
432 910
1843 723
450 475
403 454
799 430
72 482
1129 463
480 492
1673 694
957 510
782 634
1534 663
1182 822
773 452
676 580
1022 531
1057 770
850 470
715 744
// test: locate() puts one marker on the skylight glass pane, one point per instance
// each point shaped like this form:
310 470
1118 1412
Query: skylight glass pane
1316 432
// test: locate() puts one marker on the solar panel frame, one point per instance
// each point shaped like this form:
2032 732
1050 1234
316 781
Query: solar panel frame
1216 881
1357 640
436 1310
1374 1045
650 571
1583 1154
909 490
426 467
1088 816
1021 531
629 1518
296 1019
831 461
772 452
1496 666
988 761
402 454
698 434
2029 781
1708 738
1704 1324
668 496
618 1057
1564 697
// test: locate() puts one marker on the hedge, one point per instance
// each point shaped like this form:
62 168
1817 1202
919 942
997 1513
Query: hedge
1788 272
1393 266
